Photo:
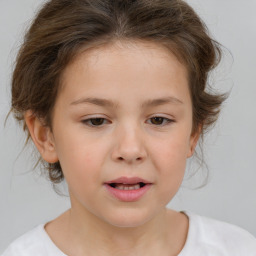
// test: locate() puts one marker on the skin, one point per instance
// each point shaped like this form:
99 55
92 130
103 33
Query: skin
128 142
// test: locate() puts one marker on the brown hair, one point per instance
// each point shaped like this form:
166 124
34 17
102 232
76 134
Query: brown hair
63 27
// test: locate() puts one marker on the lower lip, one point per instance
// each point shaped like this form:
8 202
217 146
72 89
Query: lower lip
128 195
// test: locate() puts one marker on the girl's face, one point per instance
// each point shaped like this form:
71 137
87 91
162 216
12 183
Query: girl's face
123 111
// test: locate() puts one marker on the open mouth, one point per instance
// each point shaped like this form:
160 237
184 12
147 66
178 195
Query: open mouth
122 186
128 189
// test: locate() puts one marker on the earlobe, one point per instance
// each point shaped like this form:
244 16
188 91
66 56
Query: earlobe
42 137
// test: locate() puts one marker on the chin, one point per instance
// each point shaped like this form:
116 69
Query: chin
129 218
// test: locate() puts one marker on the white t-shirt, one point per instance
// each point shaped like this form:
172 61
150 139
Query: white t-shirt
206 237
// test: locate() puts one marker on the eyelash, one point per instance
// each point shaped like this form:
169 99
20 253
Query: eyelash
88 121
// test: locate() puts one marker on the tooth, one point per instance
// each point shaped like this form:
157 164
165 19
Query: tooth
127 187
137 186
120 187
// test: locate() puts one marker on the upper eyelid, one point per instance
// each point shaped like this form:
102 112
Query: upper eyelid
164 116
88 117
91 118
167 116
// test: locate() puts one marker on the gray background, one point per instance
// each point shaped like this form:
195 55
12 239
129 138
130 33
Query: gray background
27 199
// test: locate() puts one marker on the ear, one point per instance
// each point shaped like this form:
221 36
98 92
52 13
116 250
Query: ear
193 141
42 137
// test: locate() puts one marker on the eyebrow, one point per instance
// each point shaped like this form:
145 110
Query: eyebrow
108 103
161 101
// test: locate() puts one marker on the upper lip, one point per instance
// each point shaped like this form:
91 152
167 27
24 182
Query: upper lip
128 180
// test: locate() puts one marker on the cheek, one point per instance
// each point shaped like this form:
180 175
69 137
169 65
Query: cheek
80 157
171 170
170 163
171 154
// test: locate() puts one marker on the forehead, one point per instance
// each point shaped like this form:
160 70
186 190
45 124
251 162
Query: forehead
127 67
147 52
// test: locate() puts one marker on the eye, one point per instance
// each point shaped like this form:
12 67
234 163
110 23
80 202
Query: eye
98 121
158 120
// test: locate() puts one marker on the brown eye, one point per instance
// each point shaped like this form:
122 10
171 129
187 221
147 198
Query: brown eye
97 121
94 121
158 120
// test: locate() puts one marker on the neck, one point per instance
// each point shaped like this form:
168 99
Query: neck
79 232
97 235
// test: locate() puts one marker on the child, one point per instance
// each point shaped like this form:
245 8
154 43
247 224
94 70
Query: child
113 95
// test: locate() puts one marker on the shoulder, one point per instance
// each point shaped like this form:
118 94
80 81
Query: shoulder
212 237
35 242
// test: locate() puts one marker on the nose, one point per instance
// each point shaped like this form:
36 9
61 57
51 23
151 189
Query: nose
129 146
